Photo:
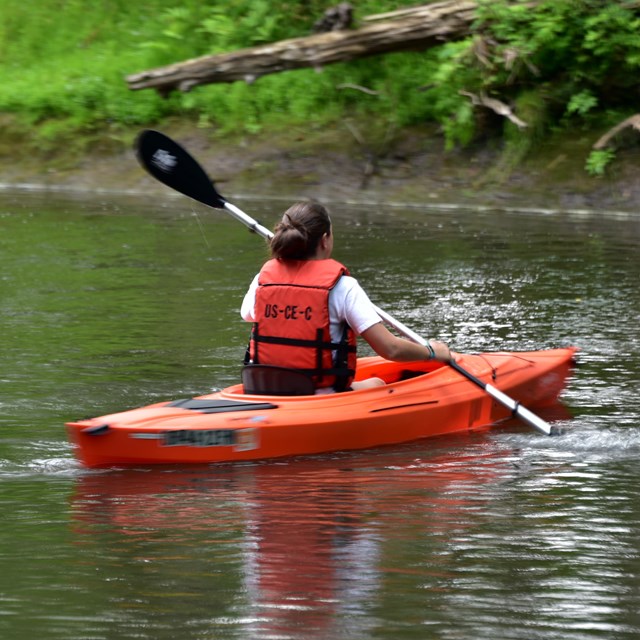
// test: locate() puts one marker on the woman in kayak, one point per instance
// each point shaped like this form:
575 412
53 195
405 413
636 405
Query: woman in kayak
307 309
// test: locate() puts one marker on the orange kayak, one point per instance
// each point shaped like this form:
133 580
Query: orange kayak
420 400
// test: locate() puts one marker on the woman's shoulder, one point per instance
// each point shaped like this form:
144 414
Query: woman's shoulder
350 289
347 283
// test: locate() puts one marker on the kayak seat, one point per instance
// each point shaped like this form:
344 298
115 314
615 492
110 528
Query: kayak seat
265 379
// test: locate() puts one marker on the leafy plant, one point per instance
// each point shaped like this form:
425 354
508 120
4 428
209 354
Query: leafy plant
581 103
598 161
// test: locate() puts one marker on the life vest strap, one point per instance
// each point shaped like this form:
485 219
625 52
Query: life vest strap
296 342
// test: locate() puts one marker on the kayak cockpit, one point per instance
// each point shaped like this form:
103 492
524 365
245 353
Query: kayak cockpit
264 380
391 372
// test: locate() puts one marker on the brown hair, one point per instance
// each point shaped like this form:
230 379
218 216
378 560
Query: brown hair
297 235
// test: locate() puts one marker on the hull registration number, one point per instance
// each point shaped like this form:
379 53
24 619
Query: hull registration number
239 439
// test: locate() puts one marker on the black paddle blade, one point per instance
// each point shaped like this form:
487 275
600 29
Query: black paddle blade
169 163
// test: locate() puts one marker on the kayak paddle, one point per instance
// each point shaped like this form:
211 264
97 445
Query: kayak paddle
172 165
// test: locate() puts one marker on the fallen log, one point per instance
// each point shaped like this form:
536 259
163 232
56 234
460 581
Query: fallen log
416 29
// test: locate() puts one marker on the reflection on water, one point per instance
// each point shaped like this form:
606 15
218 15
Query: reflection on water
303 544
378 543
500 534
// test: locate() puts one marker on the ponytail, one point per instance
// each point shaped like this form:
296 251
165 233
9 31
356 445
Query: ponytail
297 235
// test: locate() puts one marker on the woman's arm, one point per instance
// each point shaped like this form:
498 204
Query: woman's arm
391 347
353 304
248 304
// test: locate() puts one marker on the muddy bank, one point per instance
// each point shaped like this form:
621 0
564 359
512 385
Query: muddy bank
332 166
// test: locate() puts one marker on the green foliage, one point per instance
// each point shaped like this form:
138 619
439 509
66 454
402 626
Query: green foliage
586 52
557 64
598 161
197 28
581 57
581 103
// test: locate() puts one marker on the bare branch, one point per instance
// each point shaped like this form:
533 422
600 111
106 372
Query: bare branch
357 87
496 106
633 121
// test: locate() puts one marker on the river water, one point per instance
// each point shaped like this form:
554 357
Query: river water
114 302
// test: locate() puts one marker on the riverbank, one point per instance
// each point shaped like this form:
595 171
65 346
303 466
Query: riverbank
332 165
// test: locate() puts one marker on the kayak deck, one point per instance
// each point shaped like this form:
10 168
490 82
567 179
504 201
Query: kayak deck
419 400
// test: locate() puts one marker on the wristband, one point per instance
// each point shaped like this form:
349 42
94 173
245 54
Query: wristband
431 351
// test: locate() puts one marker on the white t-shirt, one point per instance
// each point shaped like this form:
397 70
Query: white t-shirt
347 302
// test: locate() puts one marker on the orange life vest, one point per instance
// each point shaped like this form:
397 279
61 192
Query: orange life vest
292 322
